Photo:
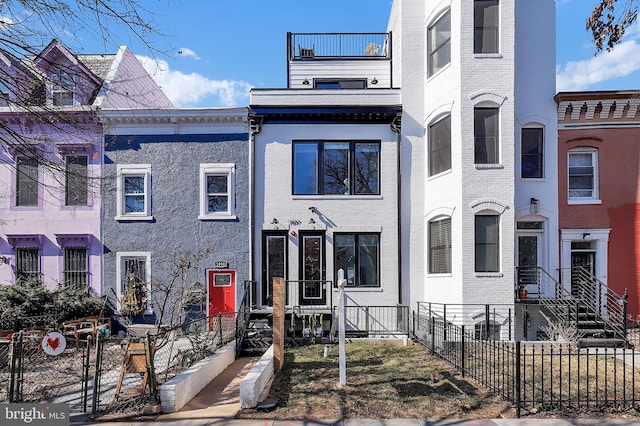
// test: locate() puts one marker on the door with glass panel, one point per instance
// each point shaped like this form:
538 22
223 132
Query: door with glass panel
274 263
312 288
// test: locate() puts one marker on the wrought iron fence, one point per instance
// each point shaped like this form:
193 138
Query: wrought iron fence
305 46
371 321
558 377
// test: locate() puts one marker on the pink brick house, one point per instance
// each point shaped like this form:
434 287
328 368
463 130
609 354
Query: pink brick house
51 159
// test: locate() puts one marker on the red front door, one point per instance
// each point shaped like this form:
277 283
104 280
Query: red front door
222 290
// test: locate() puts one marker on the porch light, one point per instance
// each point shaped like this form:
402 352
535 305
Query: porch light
374 81
305 82
534 206
274 221
311 221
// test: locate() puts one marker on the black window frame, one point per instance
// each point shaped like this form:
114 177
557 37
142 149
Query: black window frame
529 156
339 83
76 180
320 167
27 181
480 29
438 145
358 263
482 154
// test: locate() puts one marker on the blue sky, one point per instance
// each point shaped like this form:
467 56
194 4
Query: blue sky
218 49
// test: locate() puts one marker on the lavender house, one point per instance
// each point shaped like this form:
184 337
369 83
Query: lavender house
51 159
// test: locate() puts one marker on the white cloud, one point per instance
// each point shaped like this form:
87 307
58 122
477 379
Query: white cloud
622 60
191 90
188 53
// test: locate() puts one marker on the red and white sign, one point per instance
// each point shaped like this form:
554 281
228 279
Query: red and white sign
53 343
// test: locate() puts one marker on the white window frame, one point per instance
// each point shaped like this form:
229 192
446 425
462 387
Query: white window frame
59 81
120 258
595 196
447 251
125 170
221 169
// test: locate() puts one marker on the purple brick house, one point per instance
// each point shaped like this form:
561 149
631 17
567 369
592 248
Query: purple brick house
51 159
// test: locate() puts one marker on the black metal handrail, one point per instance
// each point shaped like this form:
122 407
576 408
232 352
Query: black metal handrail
244 311
309 46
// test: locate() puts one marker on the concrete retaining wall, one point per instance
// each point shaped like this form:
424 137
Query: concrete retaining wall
177 392
255 382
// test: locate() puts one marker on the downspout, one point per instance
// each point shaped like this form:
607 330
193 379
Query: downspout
255 125
396 125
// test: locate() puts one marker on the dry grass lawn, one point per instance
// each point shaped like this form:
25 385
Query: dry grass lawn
383 381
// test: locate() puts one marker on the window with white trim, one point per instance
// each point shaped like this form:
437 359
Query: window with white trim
440 146
133 271
487 243
583 174
134 192
439 42
440 246
532 153
217 191
63 88
486 26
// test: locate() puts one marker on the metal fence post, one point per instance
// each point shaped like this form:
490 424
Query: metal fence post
97 373
85 373
433 335
518 379
220 327
463 350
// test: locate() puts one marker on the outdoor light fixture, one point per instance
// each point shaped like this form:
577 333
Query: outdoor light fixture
305 82
274 221
311 221
4 260
585 235
313 209
374 81
534 206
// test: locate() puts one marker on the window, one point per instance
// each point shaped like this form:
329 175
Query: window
484 332
75 267
486 135
63 88
134 192
487 243
340 84
486 20
76 179
336 168
217 187
359 256
439 42
440 146
583 168
440 246
26 181
27 264
134 286
532 153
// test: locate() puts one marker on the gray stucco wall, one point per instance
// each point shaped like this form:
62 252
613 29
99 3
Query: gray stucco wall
175 230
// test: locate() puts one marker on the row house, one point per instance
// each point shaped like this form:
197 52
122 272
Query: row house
326 166
176 212
51 159
478 149
598 158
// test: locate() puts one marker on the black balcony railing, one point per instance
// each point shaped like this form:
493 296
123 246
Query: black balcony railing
309 46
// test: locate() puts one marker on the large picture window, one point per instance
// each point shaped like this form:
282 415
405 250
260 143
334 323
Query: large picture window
76 179
487 243
439 42
359 256
440 246
26 181
583 172
440 146
336 167
532 153
487 142
486 19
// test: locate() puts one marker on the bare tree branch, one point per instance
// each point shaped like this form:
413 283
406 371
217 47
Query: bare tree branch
608 22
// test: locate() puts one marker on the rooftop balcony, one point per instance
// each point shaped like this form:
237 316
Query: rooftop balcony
339 60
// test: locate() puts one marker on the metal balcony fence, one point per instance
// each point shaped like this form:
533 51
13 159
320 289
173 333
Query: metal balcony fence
309 46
